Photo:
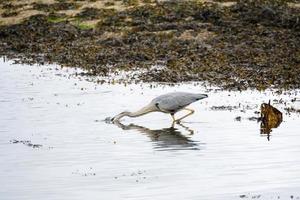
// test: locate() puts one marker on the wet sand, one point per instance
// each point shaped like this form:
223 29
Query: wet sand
211 155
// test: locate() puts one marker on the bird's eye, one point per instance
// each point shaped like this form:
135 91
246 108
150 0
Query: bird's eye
157 105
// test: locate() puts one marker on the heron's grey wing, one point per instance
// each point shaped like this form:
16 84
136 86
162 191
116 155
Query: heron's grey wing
172 102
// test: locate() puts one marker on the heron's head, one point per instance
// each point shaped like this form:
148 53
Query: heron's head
119 116
201 96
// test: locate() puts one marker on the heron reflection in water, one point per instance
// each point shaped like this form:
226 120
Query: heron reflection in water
166 138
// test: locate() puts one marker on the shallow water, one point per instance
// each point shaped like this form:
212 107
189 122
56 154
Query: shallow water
209 156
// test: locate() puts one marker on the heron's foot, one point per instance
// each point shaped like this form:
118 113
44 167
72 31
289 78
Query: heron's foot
177 121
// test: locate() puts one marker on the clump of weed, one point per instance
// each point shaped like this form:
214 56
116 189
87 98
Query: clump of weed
108 3
57 17
82 26
268 12
54 6
94 13
9 13
131 2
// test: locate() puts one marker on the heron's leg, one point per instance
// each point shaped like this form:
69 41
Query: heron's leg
174 120
190 113
172 115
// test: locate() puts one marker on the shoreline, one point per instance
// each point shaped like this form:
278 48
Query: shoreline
239 46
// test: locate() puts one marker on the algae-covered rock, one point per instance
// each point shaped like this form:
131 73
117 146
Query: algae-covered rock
271 117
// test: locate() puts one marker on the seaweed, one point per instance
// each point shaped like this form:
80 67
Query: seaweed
250 44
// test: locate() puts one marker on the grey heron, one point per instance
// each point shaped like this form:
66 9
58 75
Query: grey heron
168 103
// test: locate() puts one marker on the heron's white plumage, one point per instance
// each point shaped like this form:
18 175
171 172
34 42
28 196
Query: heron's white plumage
175 101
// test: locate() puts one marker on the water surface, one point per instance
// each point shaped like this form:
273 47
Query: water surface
54 143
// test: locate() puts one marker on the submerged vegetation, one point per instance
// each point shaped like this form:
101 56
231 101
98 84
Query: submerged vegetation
236 44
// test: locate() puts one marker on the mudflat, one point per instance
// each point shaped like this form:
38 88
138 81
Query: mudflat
236 45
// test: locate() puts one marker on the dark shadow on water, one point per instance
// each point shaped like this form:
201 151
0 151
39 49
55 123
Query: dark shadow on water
266 128
166 139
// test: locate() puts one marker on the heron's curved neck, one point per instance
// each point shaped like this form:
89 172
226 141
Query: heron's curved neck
142 111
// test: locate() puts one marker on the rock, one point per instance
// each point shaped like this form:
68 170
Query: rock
271 117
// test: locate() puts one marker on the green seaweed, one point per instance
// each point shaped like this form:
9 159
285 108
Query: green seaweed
56 19
83 26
